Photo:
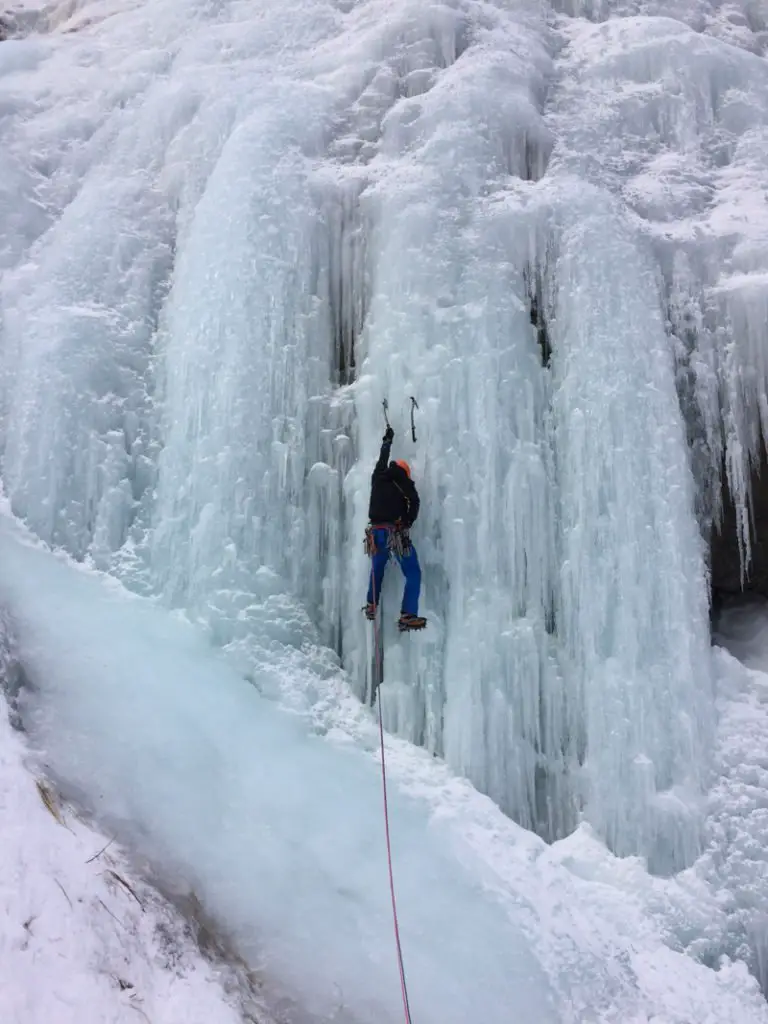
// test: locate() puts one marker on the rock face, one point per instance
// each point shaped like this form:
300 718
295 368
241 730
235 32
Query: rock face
726 563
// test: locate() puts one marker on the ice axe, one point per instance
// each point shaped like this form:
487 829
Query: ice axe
414 406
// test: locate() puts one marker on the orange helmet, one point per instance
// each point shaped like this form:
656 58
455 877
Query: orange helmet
404 465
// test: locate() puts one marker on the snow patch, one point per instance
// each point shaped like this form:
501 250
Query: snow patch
83 940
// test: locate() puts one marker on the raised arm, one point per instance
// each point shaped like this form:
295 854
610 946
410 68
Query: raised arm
383 462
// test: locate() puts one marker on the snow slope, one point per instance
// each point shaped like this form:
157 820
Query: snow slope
77 945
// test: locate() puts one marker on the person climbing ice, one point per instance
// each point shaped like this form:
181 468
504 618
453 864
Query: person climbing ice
392 511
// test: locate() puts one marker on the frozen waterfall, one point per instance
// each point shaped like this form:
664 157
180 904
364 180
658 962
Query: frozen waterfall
230 232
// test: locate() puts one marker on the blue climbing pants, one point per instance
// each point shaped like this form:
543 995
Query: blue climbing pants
408 563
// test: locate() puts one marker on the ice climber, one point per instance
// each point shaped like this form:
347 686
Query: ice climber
392 511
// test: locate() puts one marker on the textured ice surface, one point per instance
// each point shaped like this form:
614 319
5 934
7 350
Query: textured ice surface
667 108
228 234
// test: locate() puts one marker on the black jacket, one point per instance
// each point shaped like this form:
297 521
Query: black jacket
393 493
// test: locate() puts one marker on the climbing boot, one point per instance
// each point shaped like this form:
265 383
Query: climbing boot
370 612
409 622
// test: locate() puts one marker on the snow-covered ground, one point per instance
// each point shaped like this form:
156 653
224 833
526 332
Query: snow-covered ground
82 939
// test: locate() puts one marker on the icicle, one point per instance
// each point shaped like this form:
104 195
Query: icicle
632 604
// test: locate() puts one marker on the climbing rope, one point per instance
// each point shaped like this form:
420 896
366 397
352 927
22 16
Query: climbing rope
398 946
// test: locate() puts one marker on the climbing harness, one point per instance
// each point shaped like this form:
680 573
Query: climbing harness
398 946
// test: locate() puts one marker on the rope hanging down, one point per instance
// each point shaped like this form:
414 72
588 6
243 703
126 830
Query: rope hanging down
398 946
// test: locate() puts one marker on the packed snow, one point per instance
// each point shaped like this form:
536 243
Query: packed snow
83 941
227 233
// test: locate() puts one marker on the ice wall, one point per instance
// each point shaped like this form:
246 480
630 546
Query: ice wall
631 607
221 256
676 128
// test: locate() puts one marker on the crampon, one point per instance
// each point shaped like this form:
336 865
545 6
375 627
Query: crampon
406 623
